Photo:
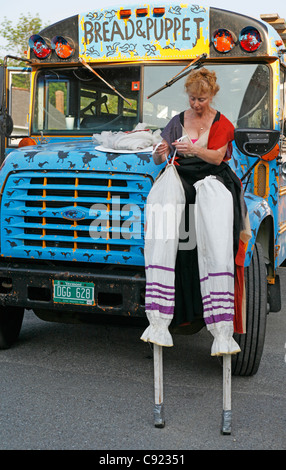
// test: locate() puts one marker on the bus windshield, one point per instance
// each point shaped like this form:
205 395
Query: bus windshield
76 101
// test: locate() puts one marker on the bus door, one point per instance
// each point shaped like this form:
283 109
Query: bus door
15 102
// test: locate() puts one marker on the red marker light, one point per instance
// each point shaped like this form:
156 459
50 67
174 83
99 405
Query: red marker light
250 39
279 43
39 46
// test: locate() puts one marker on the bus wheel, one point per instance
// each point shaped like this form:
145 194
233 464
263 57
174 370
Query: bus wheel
251 343
11 319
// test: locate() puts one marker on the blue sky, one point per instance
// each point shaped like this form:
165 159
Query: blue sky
54 10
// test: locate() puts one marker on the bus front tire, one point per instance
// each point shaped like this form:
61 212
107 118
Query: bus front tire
246 363
11 319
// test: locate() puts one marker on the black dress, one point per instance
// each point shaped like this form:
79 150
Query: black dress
188 302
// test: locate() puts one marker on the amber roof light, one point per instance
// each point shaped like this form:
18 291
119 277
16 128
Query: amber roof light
62 47
223 40
124 14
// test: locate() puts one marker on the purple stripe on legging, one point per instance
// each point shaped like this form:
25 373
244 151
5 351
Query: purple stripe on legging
218 318
205 302
218 293
222 293
161 291
158 284
160 308
216 274
154 266
160 297
216 307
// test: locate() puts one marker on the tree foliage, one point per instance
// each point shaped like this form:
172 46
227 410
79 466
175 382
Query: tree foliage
16 37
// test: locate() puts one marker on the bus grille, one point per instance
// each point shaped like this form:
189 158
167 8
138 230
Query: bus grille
97 217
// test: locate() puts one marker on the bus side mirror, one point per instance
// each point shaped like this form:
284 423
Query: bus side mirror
257 142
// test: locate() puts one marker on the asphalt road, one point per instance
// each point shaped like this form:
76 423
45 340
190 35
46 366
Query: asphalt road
90 387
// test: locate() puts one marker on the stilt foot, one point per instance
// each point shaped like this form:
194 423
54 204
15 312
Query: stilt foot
226 422
159 419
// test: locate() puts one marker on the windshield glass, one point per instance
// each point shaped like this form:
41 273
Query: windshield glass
75 101
244 95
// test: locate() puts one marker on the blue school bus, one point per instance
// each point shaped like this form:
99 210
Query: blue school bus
72 210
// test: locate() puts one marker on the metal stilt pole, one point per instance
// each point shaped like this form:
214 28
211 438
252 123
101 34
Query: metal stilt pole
159 420
226 412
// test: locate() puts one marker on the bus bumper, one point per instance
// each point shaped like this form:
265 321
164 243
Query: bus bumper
117 291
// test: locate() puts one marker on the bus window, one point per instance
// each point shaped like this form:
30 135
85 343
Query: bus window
254 111
67 101
131 110
56 104
95 102
19 91
244 95
109 103
75 99
51 104
160 108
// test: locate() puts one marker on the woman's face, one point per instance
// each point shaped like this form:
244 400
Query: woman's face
200 102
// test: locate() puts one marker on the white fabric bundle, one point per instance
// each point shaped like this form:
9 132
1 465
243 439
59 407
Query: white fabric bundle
165 205
214 231
138 139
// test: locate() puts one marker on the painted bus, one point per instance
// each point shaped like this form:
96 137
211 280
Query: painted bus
72 209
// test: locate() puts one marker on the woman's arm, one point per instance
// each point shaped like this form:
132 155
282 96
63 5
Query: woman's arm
161 152
186 147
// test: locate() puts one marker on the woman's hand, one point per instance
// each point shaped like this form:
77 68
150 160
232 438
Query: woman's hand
160 152
184 146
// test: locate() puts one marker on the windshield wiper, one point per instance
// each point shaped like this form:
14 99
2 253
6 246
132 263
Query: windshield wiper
180 74
99 76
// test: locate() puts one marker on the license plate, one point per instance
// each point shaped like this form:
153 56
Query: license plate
69 292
